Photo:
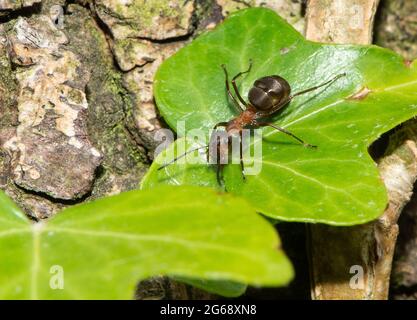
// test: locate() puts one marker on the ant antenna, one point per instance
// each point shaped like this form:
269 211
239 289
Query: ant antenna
319 86
181 156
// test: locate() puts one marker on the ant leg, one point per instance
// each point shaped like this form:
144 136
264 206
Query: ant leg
317 87
239 107
242 165
181 156
214 157
234 82
217 142
267 124
219 168
219 175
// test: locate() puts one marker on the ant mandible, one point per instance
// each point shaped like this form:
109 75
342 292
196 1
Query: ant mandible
267 96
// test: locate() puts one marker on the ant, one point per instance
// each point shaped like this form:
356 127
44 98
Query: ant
267 96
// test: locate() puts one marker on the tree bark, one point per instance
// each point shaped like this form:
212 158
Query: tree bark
396 28
355 262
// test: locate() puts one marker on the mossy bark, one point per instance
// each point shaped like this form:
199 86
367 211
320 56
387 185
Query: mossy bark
108 121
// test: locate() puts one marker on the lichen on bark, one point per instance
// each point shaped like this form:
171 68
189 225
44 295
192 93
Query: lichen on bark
52 111
69 135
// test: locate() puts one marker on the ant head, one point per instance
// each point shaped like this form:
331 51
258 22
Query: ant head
268 92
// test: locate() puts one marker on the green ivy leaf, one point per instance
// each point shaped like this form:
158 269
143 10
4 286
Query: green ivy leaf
106 246
337 183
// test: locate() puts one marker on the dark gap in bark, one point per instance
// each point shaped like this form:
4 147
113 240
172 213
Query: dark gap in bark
50 198
405 292
303 7
25 12
166 41
247 4
211 12
294 239
104 28
379 19
378 148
